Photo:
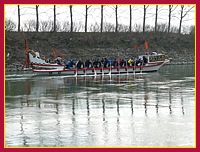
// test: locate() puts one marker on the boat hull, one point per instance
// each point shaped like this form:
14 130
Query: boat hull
150 67
48 66
40 64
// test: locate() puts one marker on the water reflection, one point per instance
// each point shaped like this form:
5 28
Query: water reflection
88 94
110 110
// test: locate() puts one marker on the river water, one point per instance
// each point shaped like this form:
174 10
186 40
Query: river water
153 109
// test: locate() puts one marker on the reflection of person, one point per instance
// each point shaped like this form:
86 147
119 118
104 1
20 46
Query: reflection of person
145 104
146 98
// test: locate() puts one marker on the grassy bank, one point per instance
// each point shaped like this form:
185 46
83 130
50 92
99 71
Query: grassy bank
92 45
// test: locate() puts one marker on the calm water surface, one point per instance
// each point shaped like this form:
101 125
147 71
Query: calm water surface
154 109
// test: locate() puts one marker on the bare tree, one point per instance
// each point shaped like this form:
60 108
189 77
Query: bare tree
123 28
86 13
66 27
86 16
116 18
10 25
171 9
169 22
130 19
101 18
30 25
184 12
156 19
37 18
162 27
54 25
144 18
77 27
180 23
109 27
192 30
47 26
18 18
71 15
137 27
95 28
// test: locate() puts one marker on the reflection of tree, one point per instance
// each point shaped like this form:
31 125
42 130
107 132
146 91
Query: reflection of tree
145 104
103 106
118 107
170 101
157 101
28 91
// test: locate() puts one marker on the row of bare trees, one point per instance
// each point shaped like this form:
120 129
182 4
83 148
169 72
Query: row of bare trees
65 26
56 26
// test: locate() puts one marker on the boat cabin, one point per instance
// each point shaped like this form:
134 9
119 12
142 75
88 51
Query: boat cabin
154 57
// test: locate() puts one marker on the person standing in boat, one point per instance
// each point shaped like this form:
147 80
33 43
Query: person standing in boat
78 64
130 61
87 63
105 63
58 60
156 55
114 63
119 62
145 60
70 63
110 61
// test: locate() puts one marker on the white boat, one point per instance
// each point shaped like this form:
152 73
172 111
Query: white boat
153 65
34 61
41 66
38 63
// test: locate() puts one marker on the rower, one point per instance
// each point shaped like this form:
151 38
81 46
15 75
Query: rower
68 65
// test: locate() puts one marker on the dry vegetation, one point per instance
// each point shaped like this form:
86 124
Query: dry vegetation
92 45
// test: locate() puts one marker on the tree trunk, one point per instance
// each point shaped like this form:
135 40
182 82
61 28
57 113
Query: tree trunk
86 14
169 22
54 18
181 19
130 27
18 18
144 19
37 19
156 19
101 18
116 28
71 18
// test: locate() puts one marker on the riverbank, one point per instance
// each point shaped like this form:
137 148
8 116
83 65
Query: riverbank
97 45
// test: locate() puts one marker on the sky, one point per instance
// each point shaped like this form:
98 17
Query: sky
63 14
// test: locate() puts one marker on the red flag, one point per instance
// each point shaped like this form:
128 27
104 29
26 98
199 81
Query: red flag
146 45
54 54
135 46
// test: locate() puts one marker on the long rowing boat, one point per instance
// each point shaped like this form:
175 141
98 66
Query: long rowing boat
41 66
148 67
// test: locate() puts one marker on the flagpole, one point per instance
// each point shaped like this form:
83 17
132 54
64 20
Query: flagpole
26 63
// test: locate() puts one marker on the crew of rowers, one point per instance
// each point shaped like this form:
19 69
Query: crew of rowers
106 63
